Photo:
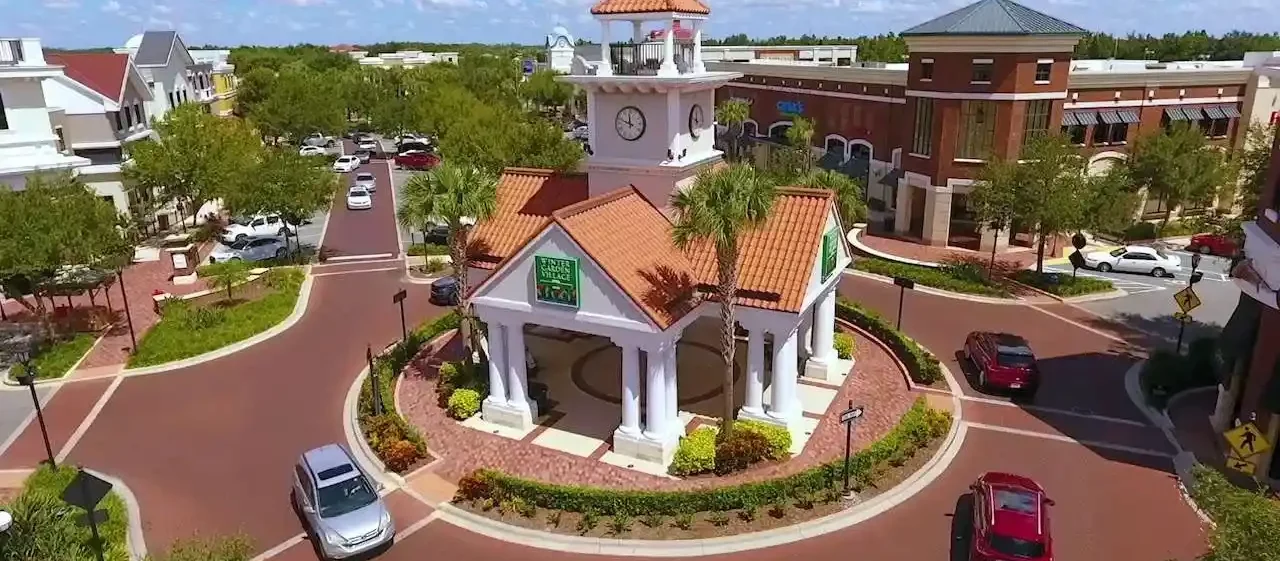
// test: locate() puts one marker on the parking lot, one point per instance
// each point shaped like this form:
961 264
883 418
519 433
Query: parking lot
1149 304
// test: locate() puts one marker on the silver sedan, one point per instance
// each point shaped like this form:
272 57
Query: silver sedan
260 248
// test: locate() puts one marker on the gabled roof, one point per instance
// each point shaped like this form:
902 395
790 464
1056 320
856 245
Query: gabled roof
609 7
995 17
526 200
155 49
104 73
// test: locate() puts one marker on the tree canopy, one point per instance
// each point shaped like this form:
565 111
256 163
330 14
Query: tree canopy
1178 166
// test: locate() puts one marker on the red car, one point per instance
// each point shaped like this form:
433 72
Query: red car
1010 519
1213 244
1002 361
417 160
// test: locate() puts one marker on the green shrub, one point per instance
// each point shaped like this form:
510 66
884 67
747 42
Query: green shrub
1063 285
1247 522
778 437
45 527
55 358
966 278
234 548
428 249
718 519
653 520
1166 373
683 520
922 366
696 453
844 346
741 450
620 524
464 403
200 318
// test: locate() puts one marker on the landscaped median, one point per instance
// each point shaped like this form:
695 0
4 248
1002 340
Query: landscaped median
965 278
55 359
1247 523
709 510
192 327
1061 285
921 365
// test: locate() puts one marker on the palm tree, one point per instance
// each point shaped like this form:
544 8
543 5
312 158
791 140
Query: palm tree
458 196
800 136
849 201
732 114
719 208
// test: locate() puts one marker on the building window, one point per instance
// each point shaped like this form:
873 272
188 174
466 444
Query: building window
1077 133
922 134
119 120
1036 122
128 118
1043 70
926 69
4 119
977 129
137 112
982 71
1116 133
102 156
171 101
62 139
1154 206
1215 128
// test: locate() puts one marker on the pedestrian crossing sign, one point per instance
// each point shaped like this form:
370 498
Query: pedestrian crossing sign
1247 441
1187 299
1240 464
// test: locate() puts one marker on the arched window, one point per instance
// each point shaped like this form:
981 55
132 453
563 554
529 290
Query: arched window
778 130
750 129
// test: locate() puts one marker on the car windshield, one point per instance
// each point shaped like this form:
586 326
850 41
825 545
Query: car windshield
358 193
1118 252
345 497
1016 547
1015 360
238 244
364 177
1162 254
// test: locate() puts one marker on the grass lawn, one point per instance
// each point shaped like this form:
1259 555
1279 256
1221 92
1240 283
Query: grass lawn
55 361
965 278
44 527
187 332
1063 285
428 249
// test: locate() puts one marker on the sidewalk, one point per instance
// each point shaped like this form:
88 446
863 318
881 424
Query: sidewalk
1190 416
1017 257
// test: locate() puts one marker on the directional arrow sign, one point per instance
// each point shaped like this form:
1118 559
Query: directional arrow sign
1243 466
1187 299
850 414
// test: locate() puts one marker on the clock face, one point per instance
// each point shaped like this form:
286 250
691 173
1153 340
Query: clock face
696 120
629 123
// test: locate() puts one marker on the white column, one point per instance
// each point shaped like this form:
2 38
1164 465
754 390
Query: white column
517 377
591 118
805 344
668 67
753 404
784 401
630 390
497 361
637 32
824 327
655 426
606 66
672 392
698 67
674 125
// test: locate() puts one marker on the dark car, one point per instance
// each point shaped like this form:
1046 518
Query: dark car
444 291
417 160
1010 519
364 155
1214 244
437 234
1002 360
413 146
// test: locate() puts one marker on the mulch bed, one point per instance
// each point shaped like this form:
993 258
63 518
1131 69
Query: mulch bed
426 460
702 527
420 272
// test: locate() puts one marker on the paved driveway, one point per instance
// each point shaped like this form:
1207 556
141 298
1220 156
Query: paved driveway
354 234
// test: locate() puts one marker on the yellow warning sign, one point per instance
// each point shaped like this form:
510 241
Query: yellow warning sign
1247 441
1241 465
1187 299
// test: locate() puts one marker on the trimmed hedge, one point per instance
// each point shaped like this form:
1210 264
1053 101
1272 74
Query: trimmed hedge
1166 373
844 346
779 437
922 366
696 453
965 278
1247 522
464 403
1063 285
919 427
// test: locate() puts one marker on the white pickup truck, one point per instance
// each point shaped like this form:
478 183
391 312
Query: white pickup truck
319 139
260 225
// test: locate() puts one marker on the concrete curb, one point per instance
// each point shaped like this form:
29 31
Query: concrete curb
1183 460
299 310
134 539
8 373
940 292
854 239
1116 293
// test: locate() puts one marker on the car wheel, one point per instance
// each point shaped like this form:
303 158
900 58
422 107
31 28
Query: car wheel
282 232
241 237
281 252
1157 272
1104 267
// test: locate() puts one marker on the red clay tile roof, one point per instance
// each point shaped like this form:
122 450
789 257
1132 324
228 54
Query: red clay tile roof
777 259
526 200
640 257
605 7
104 73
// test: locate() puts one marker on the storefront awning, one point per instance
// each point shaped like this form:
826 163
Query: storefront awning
1069 119
1175 114
1109 117
1087 117
1214 112
1238 336
1128 117
1193 113
1230 111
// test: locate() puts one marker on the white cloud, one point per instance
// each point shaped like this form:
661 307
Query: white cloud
111 6
305 3
61 4
162 9
161 23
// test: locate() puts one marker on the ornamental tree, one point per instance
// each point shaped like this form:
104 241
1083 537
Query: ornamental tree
1177 166
282 182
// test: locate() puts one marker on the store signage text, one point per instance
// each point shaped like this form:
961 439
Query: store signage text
830 252
556 280
791 107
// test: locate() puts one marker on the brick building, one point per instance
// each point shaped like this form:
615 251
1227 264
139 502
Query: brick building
979 81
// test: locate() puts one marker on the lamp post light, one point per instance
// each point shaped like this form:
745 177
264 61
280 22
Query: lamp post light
26 344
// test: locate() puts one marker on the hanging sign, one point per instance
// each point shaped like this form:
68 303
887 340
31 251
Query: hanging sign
556 280
830 252
791 107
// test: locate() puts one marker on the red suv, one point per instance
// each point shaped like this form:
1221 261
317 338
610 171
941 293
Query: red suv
1002 361
1010 519
1213 244
417 160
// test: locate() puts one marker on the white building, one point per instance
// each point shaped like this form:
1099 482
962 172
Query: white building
592 253
172 74
31 131
402 59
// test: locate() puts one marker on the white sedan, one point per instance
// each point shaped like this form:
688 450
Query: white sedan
346 164
369 144
311 151
1134 259
358 198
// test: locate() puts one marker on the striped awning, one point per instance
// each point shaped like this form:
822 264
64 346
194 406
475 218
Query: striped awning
1109 117
1193 113
1128 117
1175 114
1230 111
1087 117
1069 119
1214 112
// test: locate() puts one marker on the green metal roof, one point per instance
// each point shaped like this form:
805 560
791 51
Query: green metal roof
995 17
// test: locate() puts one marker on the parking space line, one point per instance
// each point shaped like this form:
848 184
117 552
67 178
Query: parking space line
281 547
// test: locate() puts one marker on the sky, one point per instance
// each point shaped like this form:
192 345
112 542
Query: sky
109 23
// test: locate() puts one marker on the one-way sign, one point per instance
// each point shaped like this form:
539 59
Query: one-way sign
850 414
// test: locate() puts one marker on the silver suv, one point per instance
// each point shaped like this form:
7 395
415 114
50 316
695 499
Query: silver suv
340 503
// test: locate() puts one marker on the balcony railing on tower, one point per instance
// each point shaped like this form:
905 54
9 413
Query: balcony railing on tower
645 59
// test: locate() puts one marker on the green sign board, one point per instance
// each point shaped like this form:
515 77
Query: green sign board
556 280
830 252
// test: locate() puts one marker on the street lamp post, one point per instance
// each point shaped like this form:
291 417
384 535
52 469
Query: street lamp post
124 294
28 379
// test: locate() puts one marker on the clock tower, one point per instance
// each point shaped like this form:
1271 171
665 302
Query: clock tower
650 100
